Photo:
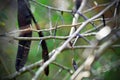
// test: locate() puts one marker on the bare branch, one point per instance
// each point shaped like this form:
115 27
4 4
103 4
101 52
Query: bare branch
88 63
63 67
41 38
24 69
76 16
58 50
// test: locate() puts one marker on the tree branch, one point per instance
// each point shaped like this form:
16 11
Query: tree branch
58 50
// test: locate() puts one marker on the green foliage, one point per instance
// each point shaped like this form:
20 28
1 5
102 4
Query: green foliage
113 74
3 17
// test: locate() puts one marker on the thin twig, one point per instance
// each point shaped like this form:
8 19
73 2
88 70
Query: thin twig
41 38
63 67
89 47
52 8
31 29
94 7
24 69
46 37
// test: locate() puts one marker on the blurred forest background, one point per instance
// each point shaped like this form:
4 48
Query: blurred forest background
102 69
